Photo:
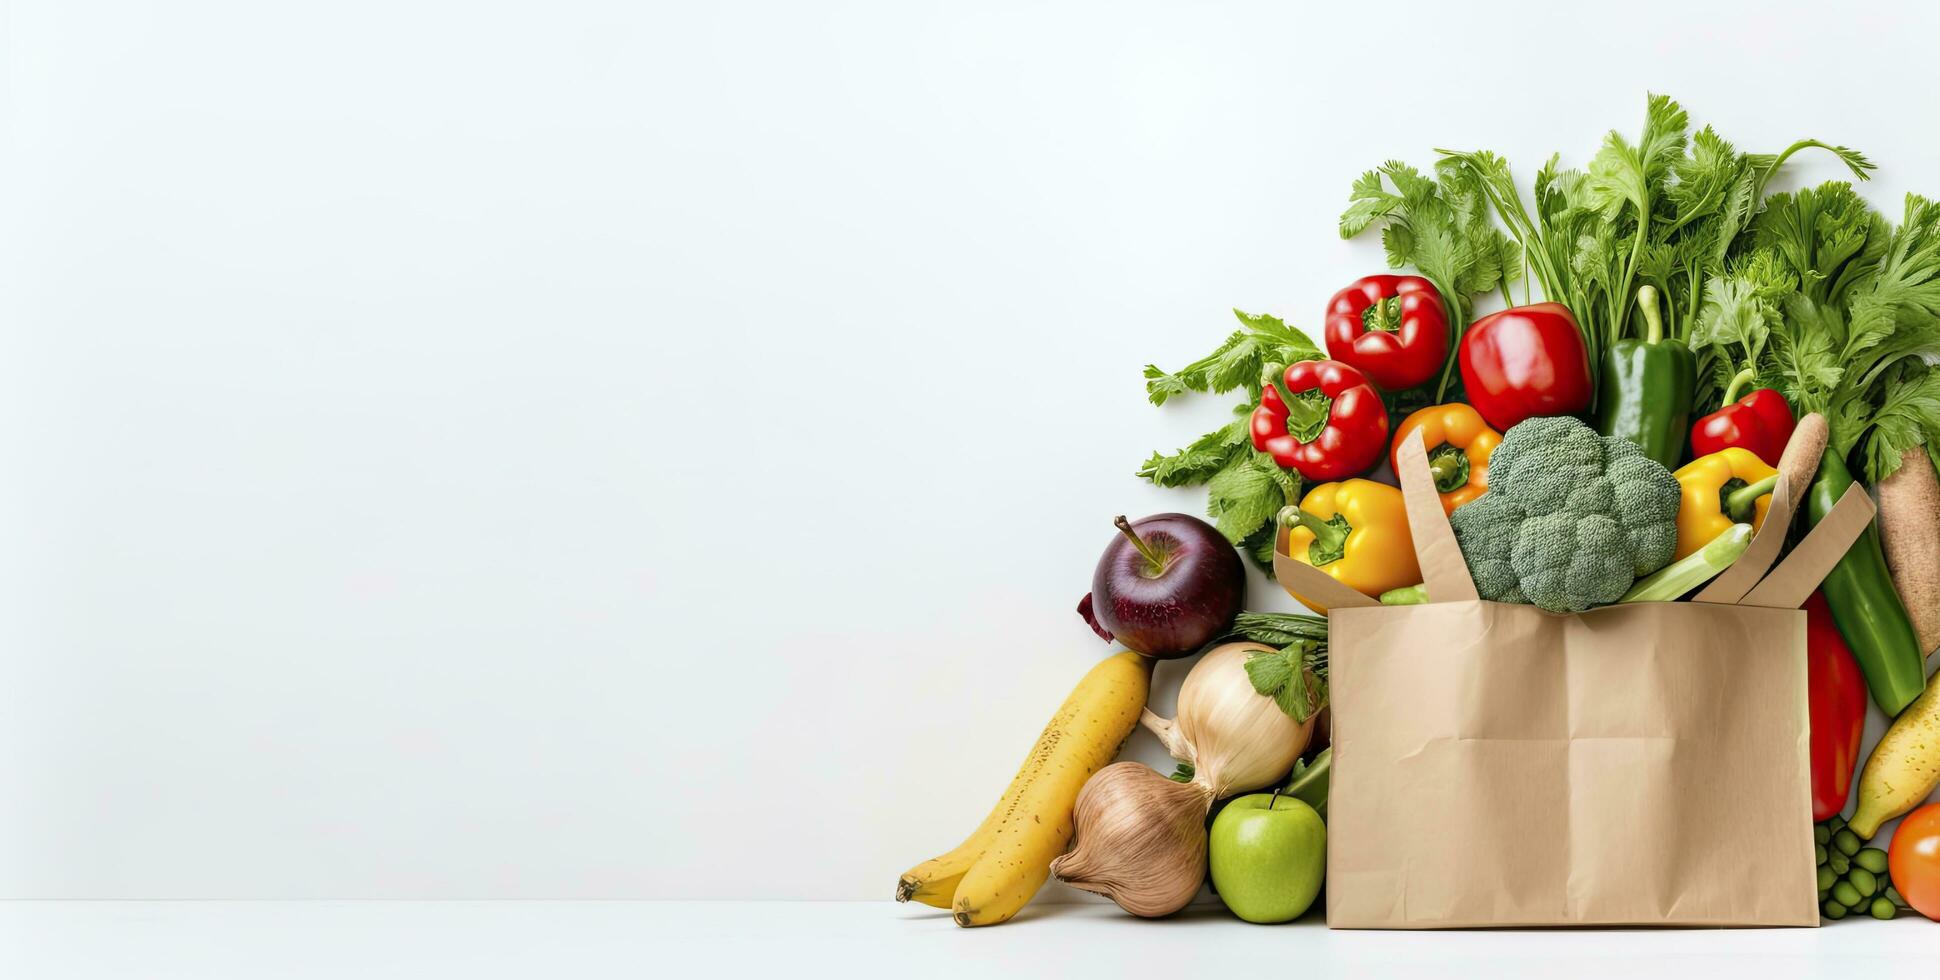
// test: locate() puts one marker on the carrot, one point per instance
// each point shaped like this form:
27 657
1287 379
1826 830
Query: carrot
1909 523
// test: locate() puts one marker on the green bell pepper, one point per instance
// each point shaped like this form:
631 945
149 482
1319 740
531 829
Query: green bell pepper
1865 606
1644 390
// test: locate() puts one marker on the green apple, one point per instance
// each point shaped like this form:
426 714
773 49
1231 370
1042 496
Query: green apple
1268 855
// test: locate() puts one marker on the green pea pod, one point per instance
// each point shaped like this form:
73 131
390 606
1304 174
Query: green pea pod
1644 389
1865 605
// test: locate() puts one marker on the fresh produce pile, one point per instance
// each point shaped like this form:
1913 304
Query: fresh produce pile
1701 348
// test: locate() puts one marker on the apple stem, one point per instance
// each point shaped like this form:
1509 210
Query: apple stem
1125 527
1275 800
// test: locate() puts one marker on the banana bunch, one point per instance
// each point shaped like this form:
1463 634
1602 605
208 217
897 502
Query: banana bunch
988 878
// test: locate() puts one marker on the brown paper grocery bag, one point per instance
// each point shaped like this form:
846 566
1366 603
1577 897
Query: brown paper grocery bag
1637 764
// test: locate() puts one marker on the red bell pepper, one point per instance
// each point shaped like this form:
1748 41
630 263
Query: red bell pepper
1394 329
1523 362
1836 697
1321 418
1761 422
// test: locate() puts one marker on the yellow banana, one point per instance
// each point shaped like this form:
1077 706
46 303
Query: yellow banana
1035 827
1904 766
934 882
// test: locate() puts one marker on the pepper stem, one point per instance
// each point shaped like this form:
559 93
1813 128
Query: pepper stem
1741 503
1382 315
1449 466
1738 383
1653 318
1153 559
1330 533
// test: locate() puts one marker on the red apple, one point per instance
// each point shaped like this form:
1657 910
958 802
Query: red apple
1166 586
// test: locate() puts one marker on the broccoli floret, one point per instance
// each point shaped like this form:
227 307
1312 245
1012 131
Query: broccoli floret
1488 553
1565 561
1641 481
1571 518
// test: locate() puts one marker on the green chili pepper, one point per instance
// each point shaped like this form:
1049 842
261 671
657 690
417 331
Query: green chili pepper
1865 606
1644 390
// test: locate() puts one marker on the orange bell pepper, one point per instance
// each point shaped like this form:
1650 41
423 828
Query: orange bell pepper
1355 531
1730 486
1459 443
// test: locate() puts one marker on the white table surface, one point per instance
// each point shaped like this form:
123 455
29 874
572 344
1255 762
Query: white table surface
484 940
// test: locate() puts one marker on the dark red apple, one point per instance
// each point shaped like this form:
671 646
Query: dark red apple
1166 586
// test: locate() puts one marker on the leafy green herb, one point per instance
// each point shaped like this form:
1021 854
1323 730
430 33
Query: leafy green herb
1826 236
1244 488
1733 331
1848 307
1665 211
1247 492
1236 362
1285 676
1441 226
1207 455
1183 774
1908 416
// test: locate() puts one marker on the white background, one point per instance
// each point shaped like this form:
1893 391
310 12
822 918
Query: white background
613 450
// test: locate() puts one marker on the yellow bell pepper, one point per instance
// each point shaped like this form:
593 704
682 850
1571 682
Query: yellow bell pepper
1730 486
1459 444
1355 531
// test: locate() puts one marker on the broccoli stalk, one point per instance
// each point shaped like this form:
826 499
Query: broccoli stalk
1693 570
1407 595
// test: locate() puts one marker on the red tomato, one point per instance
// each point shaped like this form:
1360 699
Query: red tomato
1914 860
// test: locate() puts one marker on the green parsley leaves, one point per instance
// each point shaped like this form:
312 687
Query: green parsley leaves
1283 675
1666 210
1235 363
1244 488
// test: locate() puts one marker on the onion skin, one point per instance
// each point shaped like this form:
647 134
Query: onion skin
1237 739
1141 840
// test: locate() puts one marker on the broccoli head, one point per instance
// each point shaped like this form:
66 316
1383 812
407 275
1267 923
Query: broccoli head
1571 518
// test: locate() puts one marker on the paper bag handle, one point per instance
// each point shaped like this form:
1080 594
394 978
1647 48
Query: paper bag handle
1443 569
1311 583
1789 585
1731 585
